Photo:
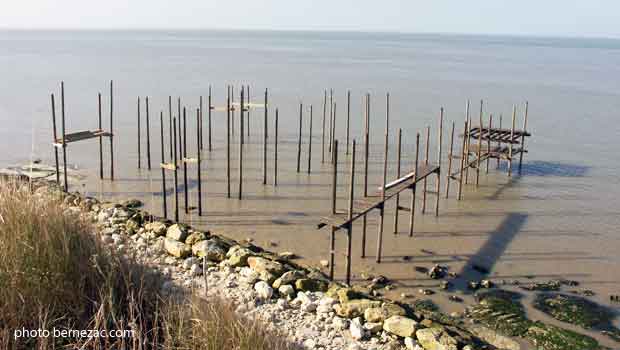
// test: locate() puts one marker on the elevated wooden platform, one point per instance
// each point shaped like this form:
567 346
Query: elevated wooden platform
80 136
498 135
364 205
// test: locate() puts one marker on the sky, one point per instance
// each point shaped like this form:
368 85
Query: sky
572 18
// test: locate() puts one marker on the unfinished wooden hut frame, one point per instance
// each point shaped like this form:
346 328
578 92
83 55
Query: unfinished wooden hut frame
360 208
498 143
68 138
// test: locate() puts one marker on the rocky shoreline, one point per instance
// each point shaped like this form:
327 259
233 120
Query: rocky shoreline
299 301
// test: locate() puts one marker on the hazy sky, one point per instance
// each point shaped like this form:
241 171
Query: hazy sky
528 17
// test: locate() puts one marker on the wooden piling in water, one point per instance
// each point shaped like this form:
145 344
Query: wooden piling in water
413 187
198 151
398 156
101 138
55 139
184 158
331 111
323 129
176 172
350 214
228 143
523 137
241 120
299 137
489 142
64 134
450 157
180 138
148 135
139 127
111 130
424 182
479 152
241 105
232 101
499 143
170 125
275 153
332 238
199 126
334 124
265 128
510 145
310 143
247 113
384 180
163 170
467 134
210 99
439 154
366 154
348 118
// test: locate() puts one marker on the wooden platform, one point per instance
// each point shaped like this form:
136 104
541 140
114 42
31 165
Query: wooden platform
497 135
364 205
80 136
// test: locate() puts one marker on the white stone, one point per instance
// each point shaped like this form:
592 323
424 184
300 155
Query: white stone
263 290
286 290
357 330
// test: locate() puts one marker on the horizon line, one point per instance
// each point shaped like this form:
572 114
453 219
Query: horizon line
309 30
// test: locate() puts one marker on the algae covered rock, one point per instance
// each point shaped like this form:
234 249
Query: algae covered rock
436 338
355 308
574 310
267 270
238 256
157 228
288 277
209 249
132 226
380 314
310 285
176 248
400 326
195 237
178 232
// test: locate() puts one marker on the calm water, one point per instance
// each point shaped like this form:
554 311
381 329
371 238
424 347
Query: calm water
559 220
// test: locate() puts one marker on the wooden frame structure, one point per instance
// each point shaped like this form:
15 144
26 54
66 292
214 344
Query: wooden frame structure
491 143
67 138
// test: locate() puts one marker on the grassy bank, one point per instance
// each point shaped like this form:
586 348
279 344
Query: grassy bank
55 275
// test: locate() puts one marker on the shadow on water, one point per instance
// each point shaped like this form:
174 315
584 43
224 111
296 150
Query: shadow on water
542 168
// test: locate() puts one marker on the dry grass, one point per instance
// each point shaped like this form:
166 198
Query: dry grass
54 274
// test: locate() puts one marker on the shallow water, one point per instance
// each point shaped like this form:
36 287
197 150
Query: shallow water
559 219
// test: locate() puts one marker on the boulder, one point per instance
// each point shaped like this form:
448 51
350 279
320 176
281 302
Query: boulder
178 232
380 314
267 270
132 226
346 294
492 337
355 308
263 290
436 338
310 285
400 326
157 228
132 203
195 237
176 248
286 290
288 277
373 327
238 256
210 249
358 332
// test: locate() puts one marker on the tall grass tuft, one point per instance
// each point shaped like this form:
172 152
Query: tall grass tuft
55 274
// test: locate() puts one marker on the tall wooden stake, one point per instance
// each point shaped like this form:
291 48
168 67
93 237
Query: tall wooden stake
334 123
479 152
331 119
265 128
139 127
198 150
299 138
348 118
101 139
55 139
468 141
415 183
523 137
366 154
210 108
163 160
64 134
176 172
170 125
323 129
510 145
350 215
228 144
489 142
111 131
241 145
463 164
148 135
310 143
424 182
450 157
439 154
184 158
385 156
275 153
398 156
332 237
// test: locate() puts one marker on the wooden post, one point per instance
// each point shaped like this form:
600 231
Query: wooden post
467 142
450 157
241 120
170 125
366 154
510 145
209 119
424 182
199 125
463 164
479 153
64 134
148 135
163 160
265 128
439 148
228 144
180 136
523 137
499 143
55 139
232 101
198 150
139 127
241 145
415 183
111 131
101 138
489 142
398 156
275 153
384 180
332 238
331 119
176 172
334 124
184 158
323 129
310 143
249 108
350 216
299 138
348 117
